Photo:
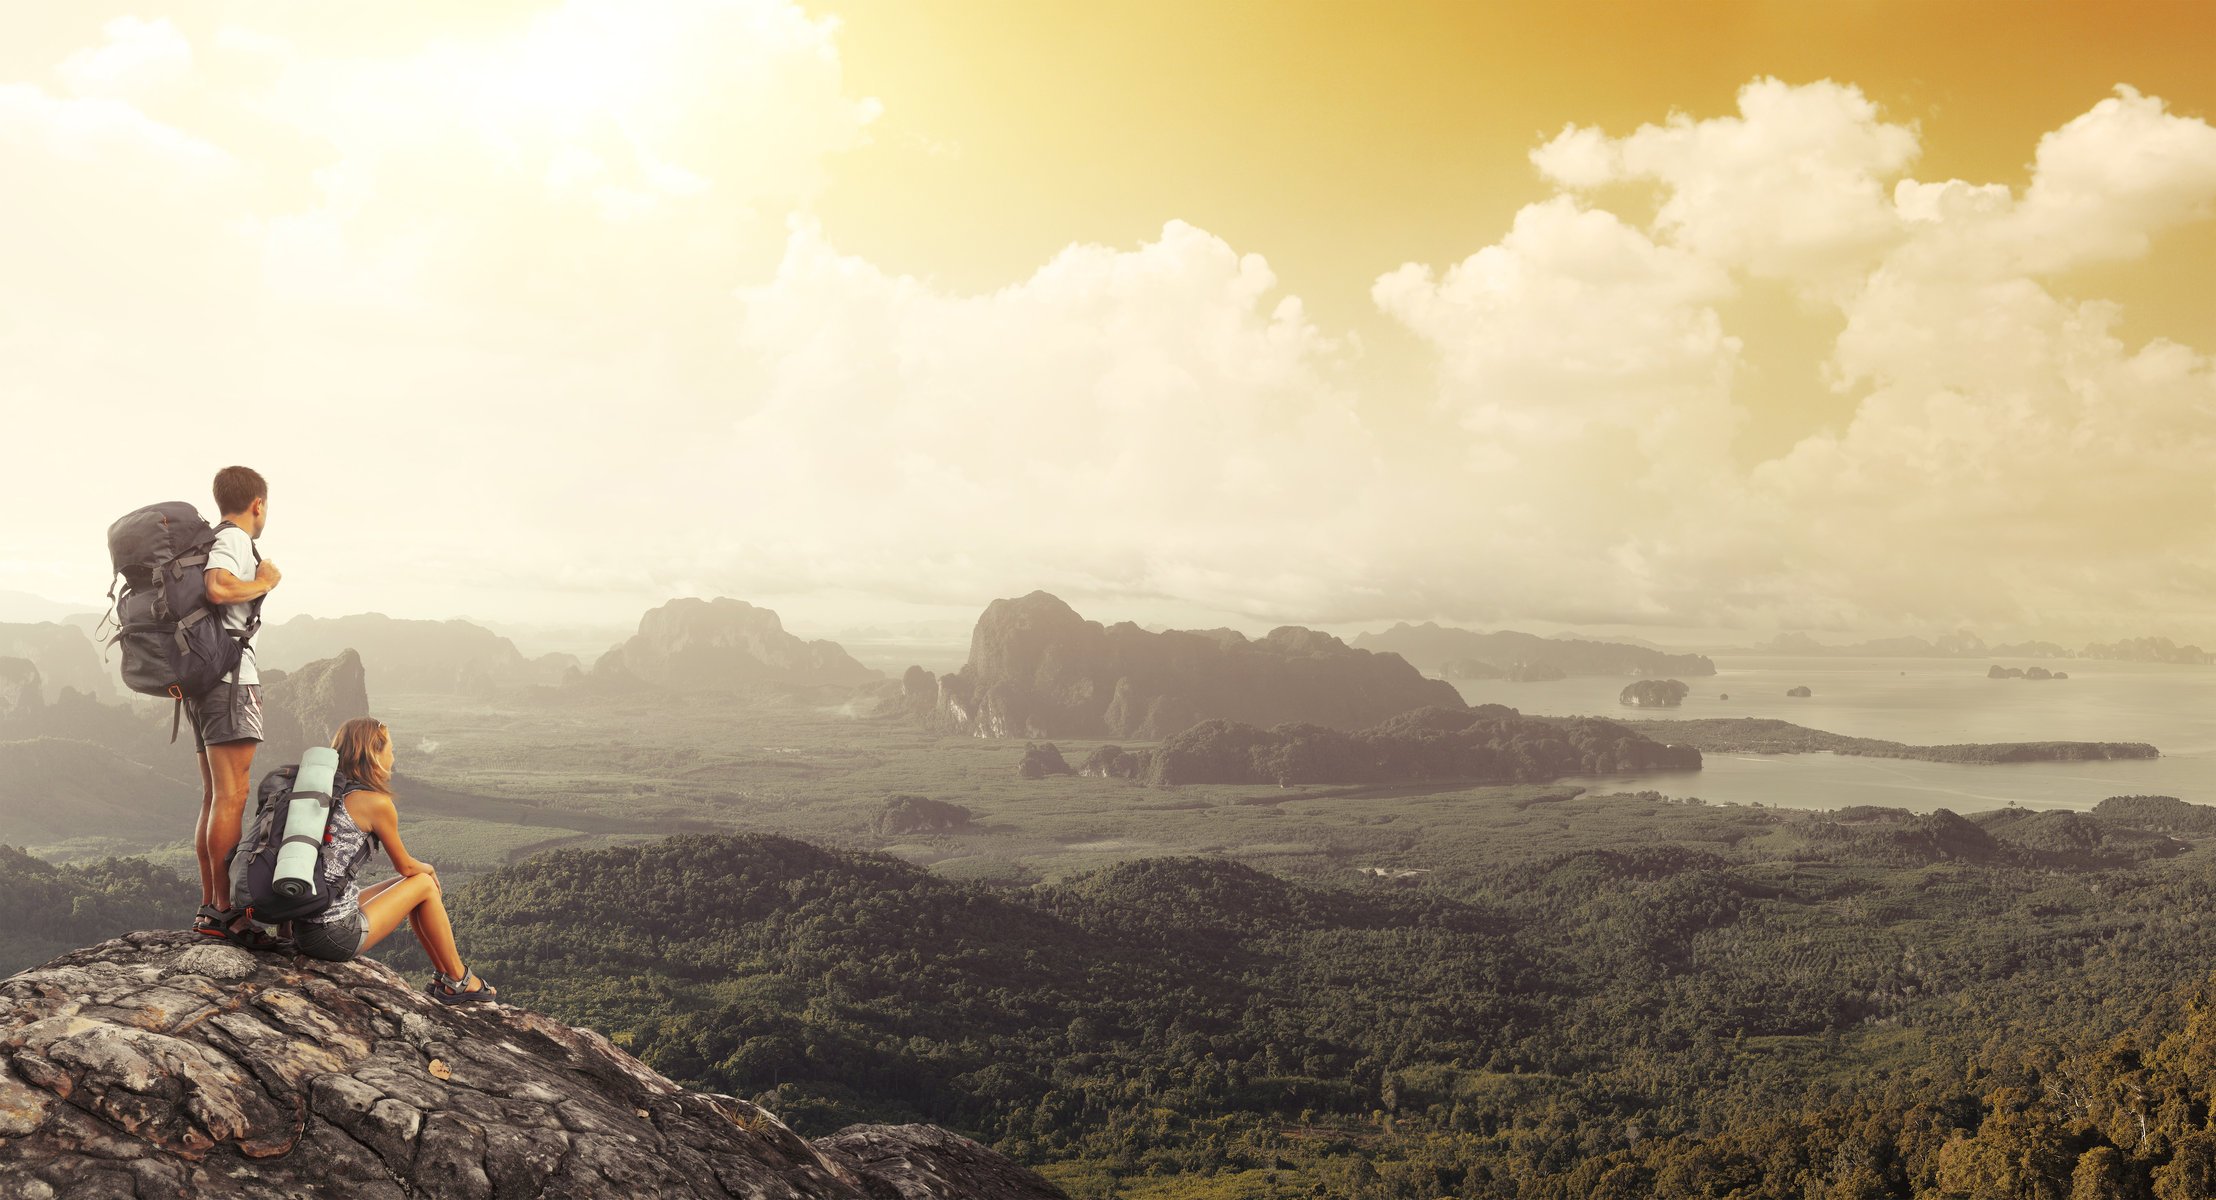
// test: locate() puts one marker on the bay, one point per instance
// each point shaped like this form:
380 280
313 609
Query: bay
1920 701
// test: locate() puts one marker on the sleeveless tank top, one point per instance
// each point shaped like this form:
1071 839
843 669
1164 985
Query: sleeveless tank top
350 846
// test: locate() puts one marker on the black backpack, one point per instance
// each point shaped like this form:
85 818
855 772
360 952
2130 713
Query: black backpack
174 642
254 864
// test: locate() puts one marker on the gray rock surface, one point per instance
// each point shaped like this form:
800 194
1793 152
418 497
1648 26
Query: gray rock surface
923 1162
158 1065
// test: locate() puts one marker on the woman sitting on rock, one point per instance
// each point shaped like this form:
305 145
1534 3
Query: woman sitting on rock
364 818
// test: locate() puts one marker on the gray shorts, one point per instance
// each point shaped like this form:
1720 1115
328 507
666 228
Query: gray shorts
335 941
227 714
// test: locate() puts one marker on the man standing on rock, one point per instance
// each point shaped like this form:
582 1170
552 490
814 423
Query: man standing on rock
227 722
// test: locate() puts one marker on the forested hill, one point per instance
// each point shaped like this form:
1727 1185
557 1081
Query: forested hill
1794 1002
1607 996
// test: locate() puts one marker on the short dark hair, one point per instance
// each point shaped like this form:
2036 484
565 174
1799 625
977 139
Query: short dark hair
237 488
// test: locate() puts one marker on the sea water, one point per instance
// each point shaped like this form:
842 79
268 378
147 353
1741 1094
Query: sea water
1921 701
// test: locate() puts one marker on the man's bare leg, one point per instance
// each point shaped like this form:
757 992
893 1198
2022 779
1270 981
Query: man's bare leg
230 764
200 831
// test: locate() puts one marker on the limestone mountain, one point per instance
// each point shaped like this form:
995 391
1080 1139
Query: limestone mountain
157 1065
303 708
724 644
1038 669
29 709
64 654
406 656
21 689
1435 647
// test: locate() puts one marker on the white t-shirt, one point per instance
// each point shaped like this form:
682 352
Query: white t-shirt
234 552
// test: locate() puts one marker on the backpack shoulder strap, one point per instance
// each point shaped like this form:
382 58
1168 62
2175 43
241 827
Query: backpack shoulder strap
254 612
256 550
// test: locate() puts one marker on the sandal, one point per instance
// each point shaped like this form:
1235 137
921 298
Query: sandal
213 921
446 989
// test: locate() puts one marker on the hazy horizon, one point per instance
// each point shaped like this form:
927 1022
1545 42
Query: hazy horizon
586 640
870 316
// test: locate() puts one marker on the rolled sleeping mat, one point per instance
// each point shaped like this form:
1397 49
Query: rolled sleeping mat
305 818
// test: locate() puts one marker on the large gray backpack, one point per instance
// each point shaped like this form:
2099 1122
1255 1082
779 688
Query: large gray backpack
173 641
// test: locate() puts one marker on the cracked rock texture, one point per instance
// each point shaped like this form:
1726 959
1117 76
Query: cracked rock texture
158 1065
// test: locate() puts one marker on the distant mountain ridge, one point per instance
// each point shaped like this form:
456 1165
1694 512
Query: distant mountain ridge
406 655
1432 647
1038 669
24 608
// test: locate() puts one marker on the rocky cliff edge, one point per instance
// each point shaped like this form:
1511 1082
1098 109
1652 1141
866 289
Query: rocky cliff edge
155 1065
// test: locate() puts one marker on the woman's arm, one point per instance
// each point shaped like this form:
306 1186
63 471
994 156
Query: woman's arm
383 819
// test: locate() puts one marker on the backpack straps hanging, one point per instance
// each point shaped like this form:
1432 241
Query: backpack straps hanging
113 618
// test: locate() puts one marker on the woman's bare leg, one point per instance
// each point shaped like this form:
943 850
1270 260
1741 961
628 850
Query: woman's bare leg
416 900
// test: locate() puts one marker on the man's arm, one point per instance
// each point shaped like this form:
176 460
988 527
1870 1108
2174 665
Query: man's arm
226 588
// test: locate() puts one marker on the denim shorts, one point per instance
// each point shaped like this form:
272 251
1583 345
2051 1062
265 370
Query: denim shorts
335 941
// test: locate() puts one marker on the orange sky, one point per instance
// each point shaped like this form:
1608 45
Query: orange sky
1342 139
1345 136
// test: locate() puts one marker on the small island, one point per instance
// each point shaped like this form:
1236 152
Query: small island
1799 691
2001 672
1491 743
1765 735
1654 693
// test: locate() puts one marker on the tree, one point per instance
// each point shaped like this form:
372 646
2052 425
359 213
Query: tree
2191 1172
2102 1174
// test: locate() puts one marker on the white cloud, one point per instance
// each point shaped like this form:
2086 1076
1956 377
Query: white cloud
139 58
1145 422
1792 187
2011 461
524 240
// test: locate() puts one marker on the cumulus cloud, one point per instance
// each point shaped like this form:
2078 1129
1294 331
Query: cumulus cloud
2102 187
2011 460
1791 187
1156 421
